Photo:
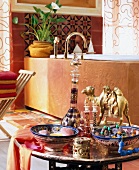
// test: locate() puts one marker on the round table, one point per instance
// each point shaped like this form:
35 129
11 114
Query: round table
99 159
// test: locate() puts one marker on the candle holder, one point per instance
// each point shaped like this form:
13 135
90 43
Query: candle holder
94 113
87 120
84 127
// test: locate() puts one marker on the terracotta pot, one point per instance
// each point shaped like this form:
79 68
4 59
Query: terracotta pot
40 49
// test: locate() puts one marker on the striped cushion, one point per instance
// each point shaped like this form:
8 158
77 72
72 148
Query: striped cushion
7 95
8 75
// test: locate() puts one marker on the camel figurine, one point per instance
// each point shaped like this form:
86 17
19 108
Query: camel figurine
112 103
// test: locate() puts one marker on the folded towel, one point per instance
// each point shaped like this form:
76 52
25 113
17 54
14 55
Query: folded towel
23 153
5 95
8 75
4 91
7 86
8 81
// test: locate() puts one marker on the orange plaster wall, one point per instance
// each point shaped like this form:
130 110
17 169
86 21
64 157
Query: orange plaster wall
49 89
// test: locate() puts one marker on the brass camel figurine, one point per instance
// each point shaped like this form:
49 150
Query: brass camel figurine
112 103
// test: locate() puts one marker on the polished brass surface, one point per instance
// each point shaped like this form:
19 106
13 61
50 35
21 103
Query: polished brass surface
112 103
67 42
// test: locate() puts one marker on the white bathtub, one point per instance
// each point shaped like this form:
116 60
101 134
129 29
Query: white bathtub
103 57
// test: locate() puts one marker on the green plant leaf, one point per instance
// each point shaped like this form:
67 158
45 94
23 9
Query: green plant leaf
34 21
55 10
45 16
57 2
57 20
37 9
49 6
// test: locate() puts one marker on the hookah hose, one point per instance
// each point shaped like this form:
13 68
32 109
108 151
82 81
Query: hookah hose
126 152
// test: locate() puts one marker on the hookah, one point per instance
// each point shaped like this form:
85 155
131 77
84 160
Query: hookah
72 117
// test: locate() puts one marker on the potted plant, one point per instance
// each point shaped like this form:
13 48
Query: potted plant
40 27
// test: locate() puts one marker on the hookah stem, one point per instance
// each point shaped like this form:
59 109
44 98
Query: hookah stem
74 91
74 95
74 82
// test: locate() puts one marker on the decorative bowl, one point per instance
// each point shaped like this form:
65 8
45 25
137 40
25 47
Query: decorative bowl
113 142
54 140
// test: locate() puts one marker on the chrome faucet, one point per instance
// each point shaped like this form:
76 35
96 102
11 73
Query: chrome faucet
67 42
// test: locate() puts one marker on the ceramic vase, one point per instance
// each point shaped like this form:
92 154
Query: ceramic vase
40 49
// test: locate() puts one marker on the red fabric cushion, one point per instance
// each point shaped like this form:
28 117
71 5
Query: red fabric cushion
7 95
7 86
8 75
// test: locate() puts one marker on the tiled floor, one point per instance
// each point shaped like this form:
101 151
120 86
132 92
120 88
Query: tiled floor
132 165
22 117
